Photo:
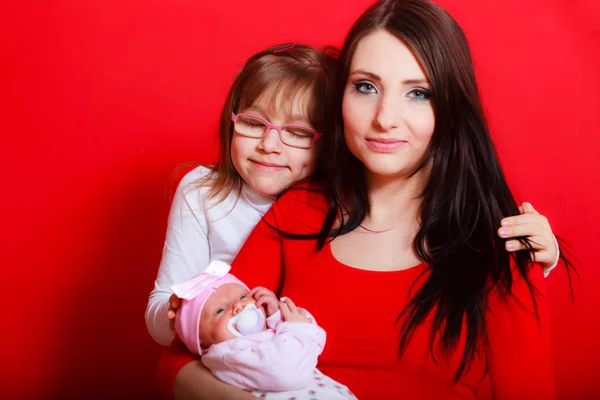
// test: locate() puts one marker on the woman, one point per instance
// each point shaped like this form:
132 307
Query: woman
415 291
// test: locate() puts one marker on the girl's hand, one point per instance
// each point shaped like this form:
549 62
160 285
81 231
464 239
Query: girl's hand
265 298
174 304
291 313
537 229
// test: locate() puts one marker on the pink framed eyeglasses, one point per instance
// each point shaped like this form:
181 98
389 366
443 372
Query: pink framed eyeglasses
292 135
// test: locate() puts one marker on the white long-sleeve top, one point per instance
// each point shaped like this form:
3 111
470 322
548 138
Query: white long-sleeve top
199 231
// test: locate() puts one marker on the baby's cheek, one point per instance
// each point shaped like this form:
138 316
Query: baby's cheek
223 333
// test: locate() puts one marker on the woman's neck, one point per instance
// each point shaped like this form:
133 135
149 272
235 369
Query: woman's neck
394 201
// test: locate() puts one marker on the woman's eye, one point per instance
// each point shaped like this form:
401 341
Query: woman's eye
365 88
419 94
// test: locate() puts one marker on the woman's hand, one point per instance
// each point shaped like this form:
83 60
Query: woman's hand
265 298
195 382
174 304
291 313
537 229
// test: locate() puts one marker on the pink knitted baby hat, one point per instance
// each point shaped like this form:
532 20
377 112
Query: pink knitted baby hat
193 293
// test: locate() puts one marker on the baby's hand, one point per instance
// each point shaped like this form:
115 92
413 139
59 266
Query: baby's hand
265 298
291 313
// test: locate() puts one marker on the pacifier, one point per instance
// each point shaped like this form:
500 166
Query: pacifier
249 320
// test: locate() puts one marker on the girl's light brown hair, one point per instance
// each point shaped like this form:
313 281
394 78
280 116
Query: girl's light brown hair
283 72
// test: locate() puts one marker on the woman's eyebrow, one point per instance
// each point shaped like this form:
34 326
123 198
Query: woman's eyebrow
371 75
375 77
415 81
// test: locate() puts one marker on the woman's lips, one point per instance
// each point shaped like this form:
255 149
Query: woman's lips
386 145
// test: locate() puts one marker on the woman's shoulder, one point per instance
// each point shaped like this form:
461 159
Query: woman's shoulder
302 207
309 193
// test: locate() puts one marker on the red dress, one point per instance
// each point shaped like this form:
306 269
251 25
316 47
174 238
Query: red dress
359 309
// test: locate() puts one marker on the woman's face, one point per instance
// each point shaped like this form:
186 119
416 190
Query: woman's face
267 165
387 111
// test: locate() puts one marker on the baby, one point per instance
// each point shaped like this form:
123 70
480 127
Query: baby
251 340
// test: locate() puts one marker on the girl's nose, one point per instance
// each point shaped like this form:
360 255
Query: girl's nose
271 143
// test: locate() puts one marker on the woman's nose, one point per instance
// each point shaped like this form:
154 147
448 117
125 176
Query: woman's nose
386 117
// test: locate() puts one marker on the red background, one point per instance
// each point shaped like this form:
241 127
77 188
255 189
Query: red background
101 100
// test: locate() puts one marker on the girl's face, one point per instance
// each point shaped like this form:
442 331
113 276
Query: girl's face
227 301
267 165
387 112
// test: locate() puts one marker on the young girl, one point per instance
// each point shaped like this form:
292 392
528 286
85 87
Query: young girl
270 129
251 340
415 292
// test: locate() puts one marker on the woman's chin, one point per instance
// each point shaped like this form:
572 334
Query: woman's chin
386 170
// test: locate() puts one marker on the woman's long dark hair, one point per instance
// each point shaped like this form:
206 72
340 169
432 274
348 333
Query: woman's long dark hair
465 197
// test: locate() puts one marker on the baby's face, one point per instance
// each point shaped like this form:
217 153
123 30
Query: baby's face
226 302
